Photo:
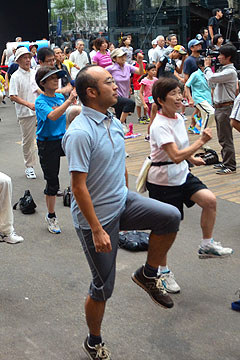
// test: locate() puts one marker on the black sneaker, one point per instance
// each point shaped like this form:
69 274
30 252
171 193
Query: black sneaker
98 352
225 171
218 166
154 288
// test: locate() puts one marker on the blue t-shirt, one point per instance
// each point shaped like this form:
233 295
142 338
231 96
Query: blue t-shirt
190 65
48 129
94 144
200 88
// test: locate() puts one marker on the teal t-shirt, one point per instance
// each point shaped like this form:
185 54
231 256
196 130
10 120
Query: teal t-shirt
200 88
48 129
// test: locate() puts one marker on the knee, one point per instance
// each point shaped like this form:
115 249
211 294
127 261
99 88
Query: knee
210 202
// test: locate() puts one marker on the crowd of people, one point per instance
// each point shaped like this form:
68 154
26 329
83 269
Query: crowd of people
51 87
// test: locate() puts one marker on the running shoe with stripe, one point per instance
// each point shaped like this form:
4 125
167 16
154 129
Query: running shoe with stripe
169 282
214 250
154 287
98 352
225 171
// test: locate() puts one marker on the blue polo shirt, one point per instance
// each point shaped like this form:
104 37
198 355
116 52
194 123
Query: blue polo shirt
94 144
48 129
200 88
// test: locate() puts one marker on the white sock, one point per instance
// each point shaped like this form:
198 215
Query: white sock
164 269
205 242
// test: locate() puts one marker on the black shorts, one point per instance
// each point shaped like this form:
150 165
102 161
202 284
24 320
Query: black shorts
124 105
177 195
49 155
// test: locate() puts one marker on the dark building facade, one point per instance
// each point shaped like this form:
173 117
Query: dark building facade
28 19
148 18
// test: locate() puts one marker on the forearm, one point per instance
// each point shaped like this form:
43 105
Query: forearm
84 201
178 156
126 177
140 70
210 32
20 101
59 111
235 124
188 94
65 90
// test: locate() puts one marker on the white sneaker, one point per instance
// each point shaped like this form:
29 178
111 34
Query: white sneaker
13 238
53 226
213 249
30 173
169 282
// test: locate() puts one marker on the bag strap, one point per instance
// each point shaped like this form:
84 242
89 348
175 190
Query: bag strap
15 205
160 163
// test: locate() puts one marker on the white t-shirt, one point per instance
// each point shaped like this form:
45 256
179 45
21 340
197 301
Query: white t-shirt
163 131
235 114
80 59
23 84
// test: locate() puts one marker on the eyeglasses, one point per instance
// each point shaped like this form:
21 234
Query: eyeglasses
110 81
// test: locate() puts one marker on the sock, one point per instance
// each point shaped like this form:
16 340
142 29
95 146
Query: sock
205 242
150 271
94 340
164 269
51 215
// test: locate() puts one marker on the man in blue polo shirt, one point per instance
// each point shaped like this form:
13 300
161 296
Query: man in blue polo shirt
201 95
103 205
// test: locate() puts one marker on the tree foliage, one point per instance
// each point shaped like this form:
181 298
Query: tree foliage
75 14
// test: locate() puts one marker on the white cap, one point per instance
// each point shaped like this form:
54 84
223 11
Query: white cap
22 51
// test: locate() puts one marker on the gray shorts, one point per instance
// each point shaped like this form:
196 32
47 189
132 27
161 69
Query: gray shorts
140 213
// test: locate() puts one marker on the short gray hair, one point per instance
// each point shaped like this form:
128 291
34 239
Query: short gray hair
77 41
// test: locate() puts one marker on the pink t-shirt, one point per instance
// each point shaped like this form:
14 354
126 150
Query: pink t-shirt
164 131
102 60
148 87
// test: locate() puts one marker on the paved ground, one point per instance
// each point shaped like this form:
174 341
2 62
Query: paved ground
45 279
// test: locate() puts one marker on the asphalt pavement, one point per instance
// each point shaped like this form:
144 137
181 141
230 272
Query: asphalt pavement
45 279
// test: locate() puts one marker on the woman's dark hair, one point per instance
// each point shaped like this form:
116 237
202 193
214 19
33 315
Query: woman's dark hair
148 67
162 87
216 37
123 39
228 50
99 41
85 80
42 71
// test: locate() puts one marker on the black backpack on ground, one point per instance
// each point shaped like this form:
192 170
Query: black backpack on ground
133 240
26 203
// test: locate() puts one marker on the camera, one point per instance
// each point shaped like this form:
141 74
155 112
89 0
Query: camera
214 57
229 12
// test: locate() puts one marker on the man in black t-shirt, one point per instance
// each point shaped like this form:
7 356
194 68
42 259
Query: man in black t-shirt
213 23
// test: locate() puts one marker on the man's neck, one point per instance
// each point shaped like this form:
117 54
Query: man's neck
98 107
25 69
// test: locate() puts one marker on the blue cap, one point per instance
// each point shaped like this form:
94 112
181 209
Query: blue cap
193 42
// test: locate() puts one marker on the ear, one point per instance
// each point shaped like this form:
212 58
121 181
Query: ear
160 102
91 92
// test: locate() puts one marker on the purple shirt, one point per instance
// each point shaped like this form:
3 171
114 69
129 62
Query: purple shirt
121 76
102 60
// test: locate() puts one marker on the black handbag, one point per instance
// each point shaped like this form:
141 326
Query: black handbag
26 203
67 196
209 156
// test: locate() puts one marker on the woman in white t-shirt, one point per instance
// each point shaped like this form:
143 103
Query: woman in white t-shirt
169 179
